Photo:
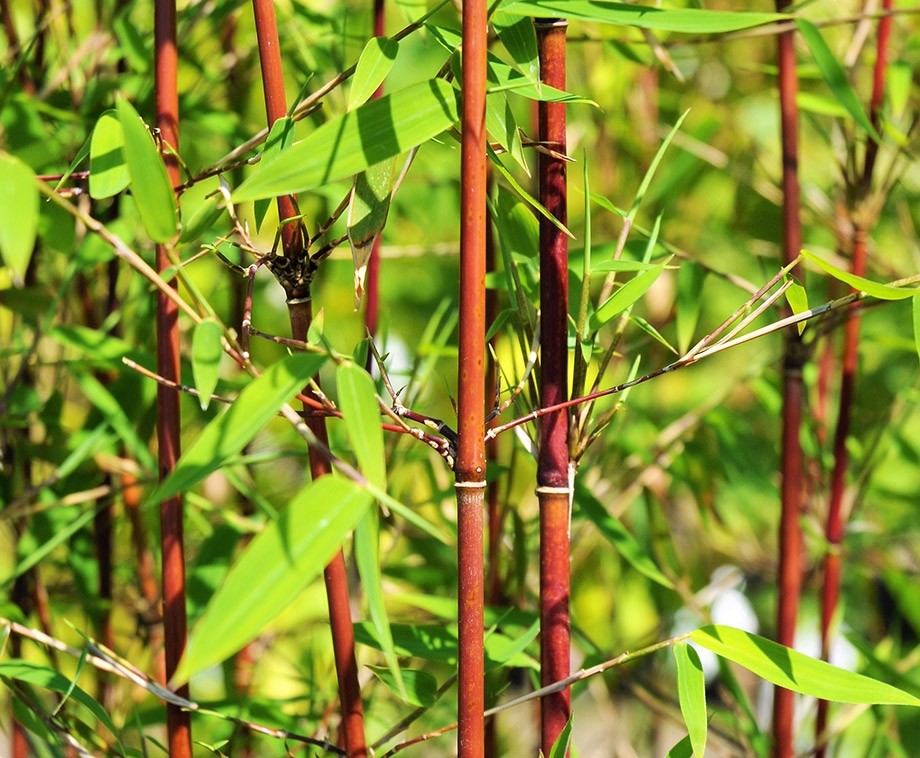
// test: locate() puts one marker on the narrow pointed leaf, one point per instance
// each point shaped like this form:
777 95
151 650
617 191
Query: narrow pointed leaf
206 354
421 688
374 64
353 142
797 672
689 21
860 284
150 184
797 298
653 167
503 129
682 749
625 297
280 138
230 432
358 403
108 170
835 75
560 748
518 37
276 566
38 554
915 309
19 210
691 692
368 208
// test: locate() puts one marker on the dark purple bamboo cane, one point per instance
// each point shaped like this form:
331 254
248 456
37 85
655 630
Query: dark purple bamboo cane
471 459
301 312
168 424
793 482
553 462
830 591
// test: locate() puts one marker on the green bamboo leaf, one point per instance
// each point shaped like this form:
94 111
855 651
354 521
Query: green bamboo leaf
503 129
368 208
18 215
518 37
653 167
230 432
358 403
353 142
620 267
835 75
689 301
688 21
206 353
691 692
797 672
36 555
276 566
560 748
150 184
898 79
504 78
625 296
108 171
915 308
858 283
614 531
797 298
421 688
682 749
374 64
33 673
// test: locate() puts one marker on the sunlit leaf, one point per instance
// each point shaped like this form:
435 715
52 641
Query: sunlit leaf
687 20
560 748
503 128
276 566
368 208
860 284
374 64
344 146
150 184
691 692
835 75
421 688
206 354
795 671
18 215
898 78
230 432
625 296
518 37
108 170
689 301
280 138
797 298
653 167
358 403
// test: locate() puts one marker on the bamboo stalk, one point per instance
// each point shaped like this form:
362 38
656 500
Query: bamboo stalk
792 488
553 487
471 460
300 311
168 421
834 527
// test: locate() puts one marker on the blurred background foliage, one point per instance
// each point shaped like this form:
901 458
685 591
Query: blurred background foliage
689 463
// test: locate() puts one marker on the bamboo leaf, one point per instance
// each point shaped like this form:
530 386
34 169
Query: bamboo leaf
518 37
560 748
19 210
280 138
353 142
36 555
230 432
33 673
150 184
797 298
688 21
421 688
682 749
358 402
624 297
108 171
526 196
689 301
502 127
206 354
374 64
691 691
653 167
368 208
898 79
835 75
858 283
795 671
614 531
276 566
